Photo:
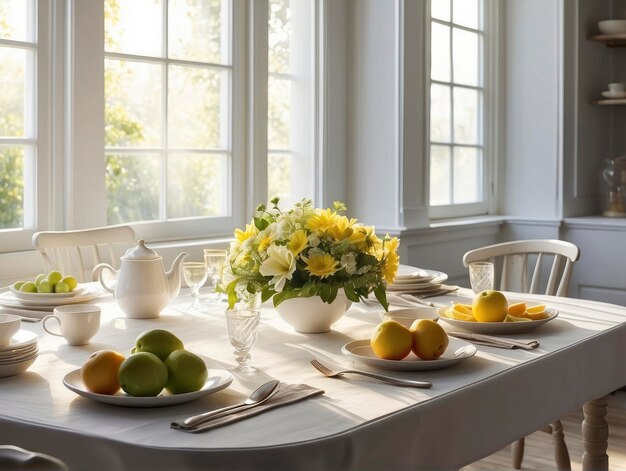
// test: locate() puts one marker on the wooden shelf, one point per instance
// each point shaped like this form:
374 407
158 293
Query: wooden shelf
612 101
611 40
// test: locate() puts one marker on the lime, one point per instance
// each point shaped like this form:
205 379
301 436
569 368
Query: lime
18 284
44 287
61 287
158 341
40 278
28 287
71 282
54 277
142 374
186 372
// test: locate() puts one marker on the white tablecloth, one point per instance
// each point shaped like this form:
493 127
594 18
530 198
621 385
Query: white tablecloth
472 410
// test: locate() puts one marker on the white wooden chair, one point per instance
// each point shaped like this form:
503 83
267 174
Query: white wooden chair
77 252
512 261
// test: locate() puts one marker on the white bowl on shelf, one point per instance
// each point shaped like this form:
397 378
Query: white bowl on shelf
612 26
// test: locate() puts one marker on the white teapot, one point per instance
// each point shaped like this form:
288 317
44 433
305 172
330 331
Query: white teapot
143 287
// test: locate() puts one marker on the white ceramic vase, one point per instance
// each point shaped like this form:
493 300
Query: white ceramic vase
312 315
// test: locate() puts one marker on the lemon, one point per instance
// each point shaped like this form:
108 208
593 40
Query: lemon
510 318
462 312
429 339
490 306
99 373
536 316
517 309
536 309
142 374
71 282
391 340
186 372
158 341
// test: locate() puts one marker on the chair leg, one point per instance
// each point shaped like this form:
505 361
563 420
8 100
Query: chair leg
561 455
517 453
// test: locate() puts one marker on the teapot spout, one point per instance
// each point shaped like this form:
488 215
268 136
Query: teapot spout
174 275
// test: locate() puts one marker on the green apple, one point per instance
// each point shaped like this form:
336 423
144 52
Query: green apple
28 287
61 287
186 372
54 277
158 341
142 374
45 287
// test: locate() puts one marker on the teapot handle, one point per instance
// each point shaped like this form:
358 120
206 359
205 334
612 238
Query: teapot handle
97 271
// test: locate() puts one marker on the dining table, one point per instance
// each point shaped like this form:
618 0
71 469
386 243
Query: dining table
473 409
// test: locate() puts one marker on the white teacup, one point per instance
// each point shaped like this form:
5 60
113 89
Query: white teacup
9 325
78 323
617 87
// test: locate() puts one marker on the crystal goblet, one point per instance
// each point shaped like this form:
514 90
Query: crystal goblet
214 260
481 276
242 329
195 274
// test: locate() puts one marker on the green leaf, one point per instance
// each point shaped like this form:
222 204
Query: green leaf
381 295
334 289
350 293
367 259
267 293
325 292
232 299
261 223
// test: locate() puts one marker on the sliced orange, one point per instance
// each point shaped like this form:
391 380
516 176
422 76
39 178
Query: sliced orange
510 318
517 309
461 313
536 309
536 316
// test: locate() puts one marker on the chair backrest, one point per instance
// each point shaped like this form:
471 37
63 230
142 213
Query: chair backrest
77 252
512 261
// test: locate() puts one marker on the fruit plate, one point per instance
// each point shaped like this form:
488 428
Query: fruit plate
9 299
79 290
496 327
457 351
216 381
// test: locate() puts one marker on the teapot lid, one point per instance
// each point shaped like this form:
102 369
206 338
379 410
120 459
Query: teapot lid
140 252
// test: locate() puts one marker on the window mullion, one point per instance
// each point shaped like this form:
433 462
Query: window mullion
164 112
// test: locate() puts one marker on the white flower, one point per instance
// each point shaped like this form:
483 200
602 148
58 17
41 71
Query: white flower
280 264
348 261
314 241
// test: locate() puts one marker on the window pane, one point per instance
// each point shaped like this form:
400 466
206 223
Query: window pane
133 185
466 57
11 187
279 176
198 107
440 52
13 91
197 30
17 20
132 103
197 185
133 27
440 9
440 169
439 113
467 175
466 13
466 116
279 113
279 36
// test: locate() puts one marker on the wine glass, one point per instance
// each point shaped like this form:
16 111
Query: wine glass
214 260
195 274
481 276
242 328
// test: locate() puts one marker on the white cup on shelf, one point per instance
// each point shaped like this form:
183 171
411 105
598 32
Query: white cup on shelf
617 87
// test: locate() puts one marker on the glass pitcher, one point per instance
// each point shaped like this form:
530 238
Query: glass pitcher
614 187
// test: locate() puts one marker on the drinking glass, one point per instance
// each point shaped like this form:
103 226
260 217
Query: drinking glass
195 274
242 328
481 276
214 260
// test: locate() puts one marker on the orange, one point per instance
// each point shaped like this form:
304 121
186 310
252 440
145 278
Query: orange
429 339
391 340
99 373
490 306
517 309
536 309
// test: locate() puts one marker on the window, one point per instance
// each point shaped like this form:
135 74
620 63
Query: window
458 170
290 159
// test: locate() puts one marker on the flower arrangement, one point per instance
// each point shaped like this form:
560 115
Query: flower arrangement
308 251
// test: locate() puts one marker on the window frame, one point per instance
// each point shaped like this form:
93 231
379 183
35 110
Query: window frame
490 72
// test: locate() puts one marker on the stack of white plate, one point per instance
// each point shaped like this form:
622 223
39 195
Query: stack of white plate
16 357
38 305
419 281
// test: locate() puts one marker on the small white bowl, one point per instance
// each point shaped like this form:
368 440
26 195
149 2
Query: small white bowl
9 325
612 26
406 317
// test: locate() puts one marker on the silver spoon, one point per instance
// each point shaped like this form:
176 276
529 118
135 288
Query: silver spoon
258 396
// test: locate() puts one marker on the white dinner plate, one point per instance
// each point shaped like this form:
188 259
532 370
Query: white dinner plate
19 358
216 381
13 369
457 351
46 296
413 275
21 339
8 299
497 327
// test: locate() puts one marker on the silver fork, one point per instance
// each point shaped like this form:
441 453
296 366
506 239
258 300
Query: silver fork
388 379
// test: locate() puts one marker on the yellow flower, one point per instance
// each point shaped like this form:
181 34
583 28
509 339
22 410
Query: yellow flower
265 242
297 242
321 265
343 228
322 220
390 268
250 231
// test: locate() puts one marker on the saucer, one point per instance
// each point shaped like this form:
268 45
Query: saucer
614 95
22 339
